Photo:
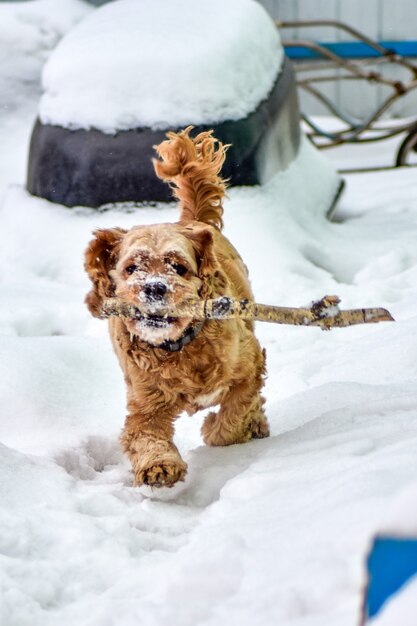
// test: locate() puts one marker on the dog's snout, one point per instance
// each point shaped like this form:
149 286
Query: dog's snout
155 290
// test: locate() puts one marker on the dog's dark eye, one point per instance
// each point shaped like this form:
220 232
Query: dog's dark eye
180 269
131 268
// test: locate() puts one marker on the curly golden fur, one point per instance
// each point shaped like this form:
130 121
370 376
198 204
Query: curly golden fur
166 265
193 167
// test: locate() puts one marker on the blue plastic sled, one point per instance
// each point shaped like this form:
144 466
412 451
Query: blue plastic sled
391 563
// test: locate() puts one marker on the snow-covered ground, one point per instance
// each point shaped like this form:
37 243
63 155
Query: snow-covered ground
29 31
270 532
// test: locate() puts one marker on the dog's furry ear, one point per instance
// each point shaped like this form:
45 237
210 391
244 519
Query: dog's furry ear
100 258
214 281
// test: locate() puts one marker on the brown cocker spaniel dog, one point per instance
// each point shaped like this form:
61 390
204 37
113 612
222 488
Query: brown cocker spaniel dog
176 364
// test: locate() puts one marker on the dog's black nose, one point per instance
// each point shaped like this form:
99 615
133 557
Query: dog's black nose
155 290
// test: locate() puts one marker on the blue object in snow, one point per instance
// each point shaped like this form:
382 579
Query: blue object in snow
391 563
353 50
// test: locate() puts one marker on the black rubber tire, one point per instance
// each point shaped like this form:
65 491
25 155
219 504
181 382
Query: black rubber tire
91 168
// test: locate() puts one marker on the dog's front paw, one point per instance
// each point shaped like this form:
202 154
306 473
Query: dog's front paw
162 474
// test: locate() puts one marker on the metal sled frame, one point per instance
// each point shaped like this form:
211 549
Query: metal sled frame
337 68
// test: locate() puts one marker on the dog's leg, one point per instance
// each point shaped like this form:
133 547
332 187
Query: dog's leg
147 440
241 418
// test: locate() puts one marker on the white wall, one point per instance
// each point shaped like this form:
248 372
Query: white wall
379 19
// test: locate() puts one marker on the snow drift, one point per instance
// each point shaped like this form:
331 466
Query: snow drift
162 64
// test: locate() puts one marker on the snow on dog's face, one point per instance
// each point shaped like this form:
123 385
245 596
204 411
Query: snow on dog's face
159 266
158 270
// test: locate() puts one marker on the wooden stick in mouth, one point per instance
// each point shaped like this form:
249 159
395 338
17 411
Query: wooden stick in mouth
324 313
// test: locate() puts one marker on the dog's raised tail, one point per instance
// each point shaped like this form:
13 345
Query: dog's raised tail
192 167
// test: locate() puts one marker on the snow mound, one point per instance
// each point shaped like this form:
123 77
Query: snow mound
34 28
160 63
28 33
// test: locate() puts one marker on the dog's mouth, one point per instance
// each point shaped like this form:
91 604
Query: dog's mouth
164 331
156 321
157 328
